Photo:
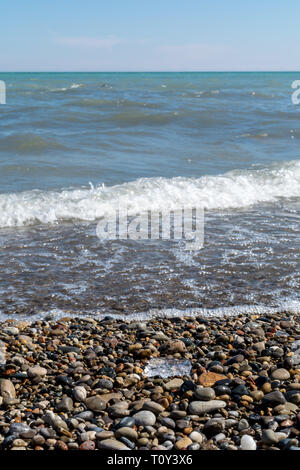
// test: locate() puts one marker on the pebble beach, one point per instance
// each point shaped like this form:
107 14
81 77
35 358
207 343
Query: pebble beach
86 384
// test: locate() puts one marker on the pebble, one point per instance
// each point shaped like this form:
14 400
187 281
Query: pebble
174 384
95 404
274 398
205 393
196 437
37 371
156 408
200 407
79 393
80 384
87 445
129 433
66 404
145 418
248 443
7 389
112 444
182 444
280 374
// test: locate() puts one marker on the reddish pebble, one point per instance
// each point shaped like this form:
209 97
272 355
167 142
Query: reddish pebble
87 445
61 445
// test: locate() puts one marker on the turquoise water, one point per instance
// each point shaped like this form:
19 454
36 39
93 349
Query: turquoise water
72 145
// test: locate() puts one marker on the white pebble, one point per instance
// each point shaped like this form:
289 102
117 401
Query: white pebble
248 443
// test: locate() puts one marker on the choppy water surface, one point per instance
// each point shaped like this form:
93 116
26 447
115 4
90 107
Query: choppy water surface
73 146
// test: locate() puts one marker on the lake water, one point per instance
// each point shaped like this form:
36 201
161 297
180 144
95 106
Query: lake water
75 145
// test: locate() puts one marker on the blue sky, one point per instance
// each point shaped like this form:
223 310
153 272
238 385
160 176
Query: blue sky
134 35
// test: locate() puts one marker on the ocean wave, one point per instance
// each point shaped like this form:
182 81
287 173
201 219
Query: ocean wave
232 190
28 143
124 103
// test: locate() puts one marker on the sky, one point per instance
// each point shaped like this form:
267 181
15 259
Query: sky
149 35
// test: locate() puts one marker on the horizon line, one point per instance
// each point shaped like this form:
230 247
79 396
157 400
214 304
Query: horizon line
152 71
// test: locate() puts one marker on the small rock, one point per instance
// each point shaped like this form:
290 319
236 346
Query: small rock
7 389
112 444
208 379
95 403
202 407
183 443
79 393
145 418
280 374
66 404
205 393
173 384
37 371
248 443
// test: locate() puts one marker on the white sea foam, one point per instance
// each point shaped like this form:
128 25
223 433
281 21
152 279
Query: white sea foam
236 189
71 87
282 306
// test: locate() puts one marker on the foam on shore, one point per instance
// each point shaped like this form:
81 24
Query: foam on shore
288 306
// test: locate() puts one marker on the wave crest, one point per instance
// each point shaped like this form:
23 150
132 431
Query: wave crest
233 190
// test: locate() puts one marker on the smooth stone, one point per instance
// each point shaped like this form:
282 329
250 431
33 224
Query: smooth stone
144 418
110 396
257 395
248 443
270 437
106 384
112 444
37 371
274 398
280 374
205 393
168 422
79 393
219 437
173 384
104 435
11 330
222 390
194 446
168 445
156 408
87 445
55 421
208 379
127 442
196 437
118 410
66 404
18 428
128 422
95 403
84 415
202 407
293 396
88 436
127 432
183 443
7 389
243 424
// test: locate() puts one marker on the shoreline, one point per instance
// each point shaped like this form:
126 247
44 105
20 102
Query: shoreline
78 383
289 307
